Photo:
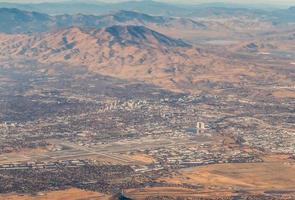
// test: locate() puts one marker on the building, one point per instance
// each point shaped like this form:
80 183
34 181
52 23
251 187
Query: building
200 126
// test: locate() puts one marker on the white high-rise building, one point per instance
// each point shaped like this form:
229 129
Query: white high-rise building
200 125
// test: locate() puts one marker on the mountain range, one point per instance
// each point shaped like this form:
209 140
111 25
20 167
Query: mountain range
13 20
129 45
99 8
129 52
278 15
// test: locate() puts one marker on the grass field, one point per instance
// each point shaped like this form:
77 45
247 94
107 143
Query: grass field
284 93
70 194
143 193
251 176
276 174
145 159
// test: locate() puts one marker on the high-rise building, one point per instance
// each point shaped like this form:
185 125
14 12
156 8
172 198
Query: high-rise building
200 125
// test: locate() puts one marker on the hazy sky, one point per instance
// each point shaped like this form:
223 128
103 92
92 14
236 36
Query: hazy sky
278 2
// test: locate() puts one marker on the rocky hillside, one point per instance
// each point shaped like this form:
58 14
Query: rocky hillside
132 52
138 53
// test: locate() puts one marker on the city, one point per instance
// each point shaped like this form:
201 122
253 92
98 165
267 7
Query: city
121 111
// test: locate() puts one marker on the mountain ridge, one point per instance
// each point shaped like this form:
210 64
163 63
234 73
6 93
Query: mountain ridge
128 52
136 53
13 20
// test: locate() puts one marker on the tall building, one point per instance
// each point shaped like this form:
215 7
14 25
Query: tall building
200 125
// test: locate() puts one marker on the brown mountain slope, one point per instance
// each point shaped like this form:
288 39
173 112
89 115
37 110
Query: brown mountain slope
125 51
135 53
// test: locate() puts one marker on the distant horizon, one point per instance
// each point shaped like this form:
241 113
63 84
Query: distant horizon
242 2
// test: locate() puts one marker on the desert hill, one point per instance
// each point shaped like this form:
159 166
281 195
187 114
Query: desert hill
138 53
125 51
